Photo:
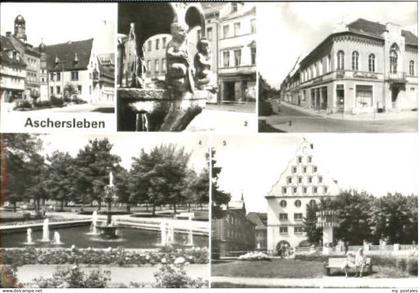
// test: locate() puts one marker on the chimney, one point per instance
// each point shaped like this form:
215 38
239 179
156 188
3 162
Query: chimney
8 34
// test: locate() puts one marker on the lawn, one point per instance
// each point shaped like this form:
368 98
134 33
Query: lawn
276 268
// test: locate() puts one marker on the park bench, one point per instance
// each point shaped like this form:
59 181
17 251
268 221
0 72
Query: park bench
338 262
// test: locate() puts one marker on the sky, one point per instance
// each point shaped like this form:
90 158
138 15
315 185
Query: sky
300 27
55 23
129 145
376 163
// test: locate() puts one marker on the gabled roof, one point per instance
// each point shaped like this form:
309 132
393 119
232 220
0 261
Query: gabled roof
259 219
5 46
65 54
376 29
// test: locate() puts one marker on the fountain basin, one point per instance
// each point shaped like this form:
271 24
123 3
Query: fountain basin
108 232
165 110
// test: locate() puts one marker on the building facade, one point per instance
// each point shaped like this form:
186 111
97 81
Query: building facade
302 183
231 32
260 221
362 67
12 72
233 234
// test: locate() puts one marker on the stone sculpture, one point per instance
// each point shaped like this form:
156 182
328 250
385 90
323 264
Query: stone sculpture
204 77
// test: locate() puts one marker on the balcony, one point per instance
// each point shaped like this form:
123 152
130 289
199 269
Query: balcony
399 77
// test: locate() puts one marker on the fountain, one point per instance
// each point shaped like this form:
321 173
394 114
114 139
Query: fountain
29 240
169 105
162 233
108 231
56 239
170 236
45 231
190 241
93 230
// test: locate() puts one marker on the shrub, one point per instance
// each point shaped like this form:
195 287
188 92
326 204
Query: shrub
8 278
404 264
265 108
43 104
23 104
75 278
56 102
171 276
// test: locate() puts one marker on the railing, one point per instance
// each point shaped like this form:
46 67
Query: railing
396 75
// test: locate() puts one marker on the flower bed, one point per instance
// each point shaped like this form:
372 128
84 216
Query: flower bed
407 265
257 255
118 256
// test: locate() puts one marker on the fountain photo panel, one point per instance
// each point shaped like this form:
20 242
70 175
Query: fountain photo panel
97 197
168 75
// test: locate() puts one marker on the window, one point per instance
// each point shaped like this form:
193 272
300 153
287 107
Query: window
75 75
283 203
340 60
355 60
163 64
294 169
364 96
393 59
225 31
371 62
149 45
51 90
298 217
305 190
304 169
299 179
210 33
156 65
283 217
299 160
310 179
226 57
315 190
157 44
283 230
320 179
234 7
58 89
58 76
163 42
314 169
148 64
284 190
325 190
253 55
309 159
299 230
237 54
298 203
294 190
253 26
236 28
411 68
52 76
289 180
312 202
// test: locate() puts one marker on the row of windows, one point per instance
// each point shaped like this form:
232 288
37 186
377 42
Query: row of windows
309 179
305 189
237 60
305 169
226 29
158 44
299 159
159 65
297 230
296 216
58 90
57 76
298 203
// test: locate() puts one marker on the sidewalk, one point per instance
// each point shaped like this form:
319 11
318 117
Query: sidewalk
326 282
355 117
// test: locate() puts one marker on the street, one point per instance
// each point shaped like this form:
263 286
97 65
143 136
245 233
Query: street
289 119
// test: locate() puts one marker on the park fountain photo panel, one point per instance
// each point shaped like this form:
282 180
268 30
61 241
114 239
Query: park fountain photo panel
122 202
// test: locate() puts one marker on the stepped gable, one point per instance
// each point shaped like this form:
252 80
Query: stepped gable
304 177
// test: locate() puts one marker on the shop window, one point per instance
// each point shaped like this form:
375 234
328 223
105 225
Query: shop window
364 96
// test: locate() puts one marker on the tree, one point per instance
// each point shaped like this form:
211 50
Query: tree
160 176
92 166
313 234
60 183
218 197
69 90
122 187
21 165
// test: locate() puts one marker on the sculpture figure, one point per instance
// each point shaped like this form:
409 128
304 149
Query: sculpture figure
204 77
179 66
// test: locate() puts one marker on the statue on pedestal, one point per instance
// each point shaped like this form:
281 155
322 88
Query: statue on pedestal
204 77
180 71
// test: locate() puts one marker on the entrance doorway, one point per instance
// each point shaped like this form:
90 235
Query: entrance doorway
394 96
228 91
283 248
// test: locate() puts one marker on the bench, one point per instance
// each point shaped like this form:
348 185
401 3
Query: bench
338 262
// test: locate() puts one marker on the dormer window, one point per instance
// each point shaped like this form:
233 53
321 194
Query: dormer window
299 160
304 169
234 6
284 190
56 60
76 58
289 180
294 169
315 169
320 179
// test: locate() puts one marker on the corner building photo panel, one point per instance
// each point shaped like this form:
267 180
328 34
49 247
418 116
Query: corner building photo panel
344 71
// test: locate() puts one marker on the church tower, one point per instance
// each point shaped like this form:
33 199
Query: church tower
20 28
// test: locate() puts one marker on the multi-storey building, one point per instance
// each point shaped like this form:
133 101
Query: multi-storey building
260 221
302 183
12 72
233 234
231 32
362 67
